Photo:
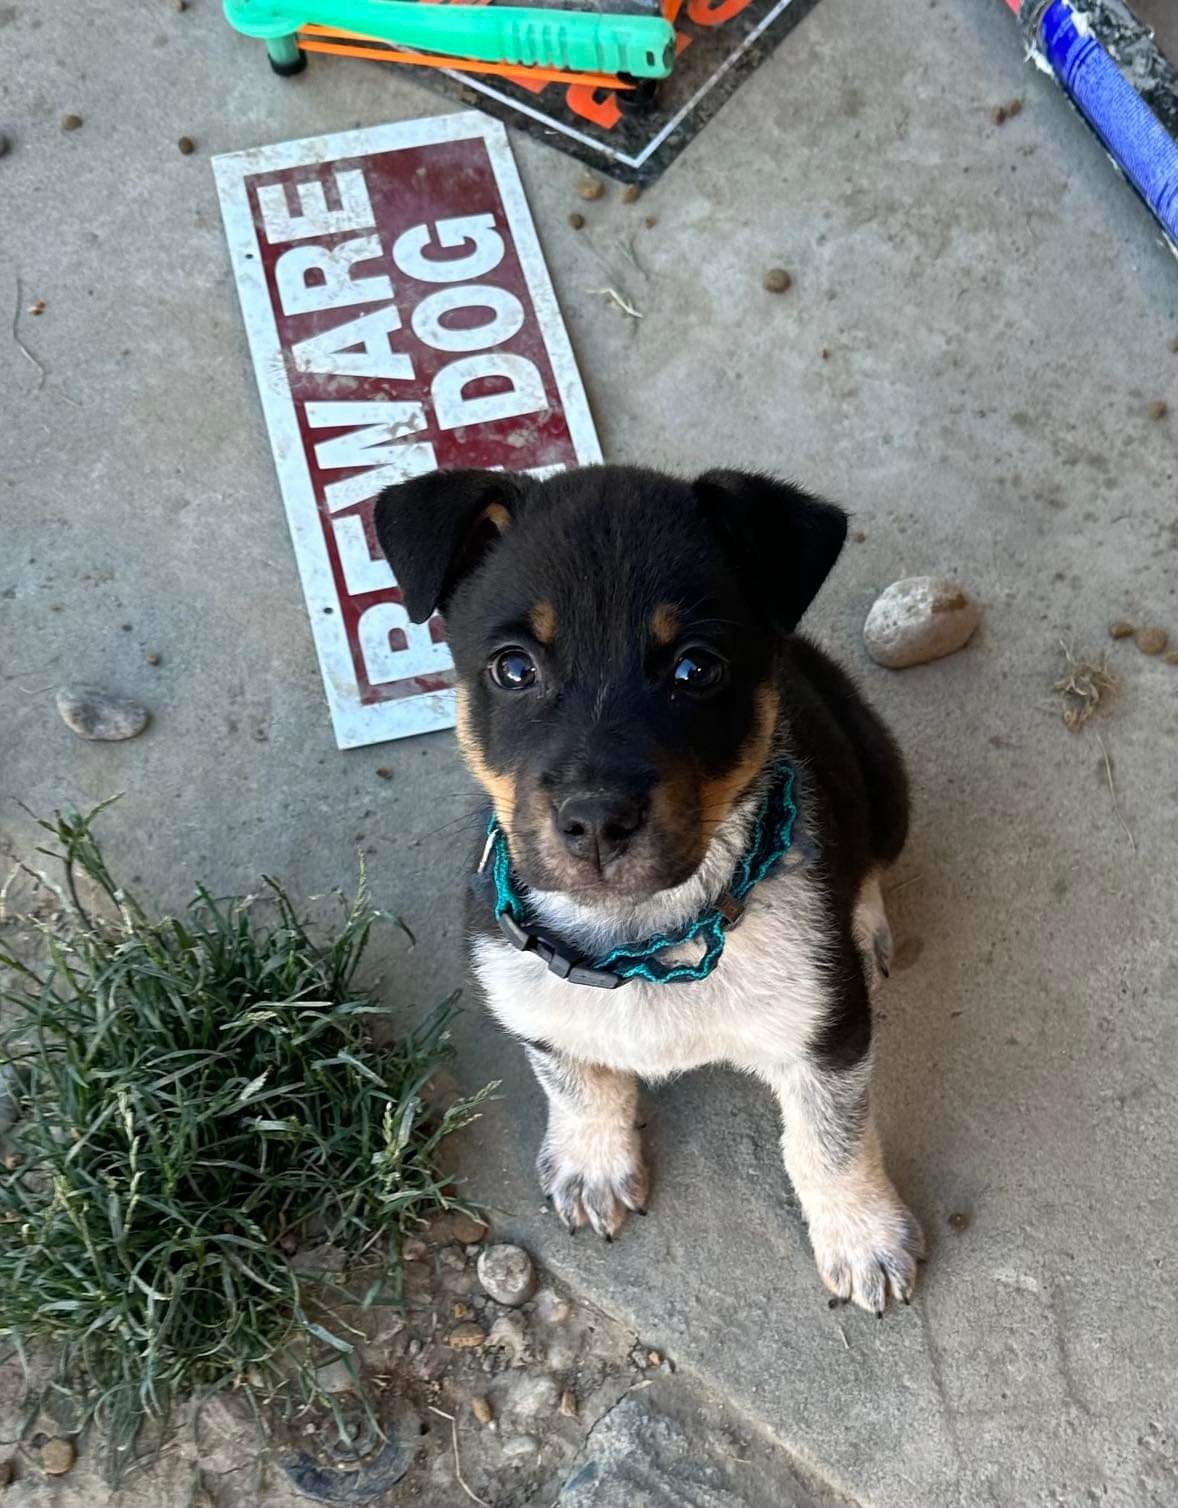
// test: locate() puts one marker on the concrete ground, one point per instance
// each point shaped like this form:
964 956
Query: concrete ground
998 312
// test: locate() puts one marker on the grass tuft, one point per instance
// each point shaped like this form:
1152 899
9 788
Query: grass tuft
196 1097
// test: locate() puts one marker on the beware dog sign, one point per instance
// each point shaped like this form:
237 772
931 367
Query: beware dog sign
401 320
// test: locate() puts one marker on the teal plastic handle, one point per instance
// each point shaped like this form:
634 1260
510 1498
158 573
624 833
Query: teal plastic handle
533 36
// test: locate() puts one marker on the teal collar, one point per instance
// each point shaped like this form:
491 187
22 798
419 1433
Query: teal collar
769 842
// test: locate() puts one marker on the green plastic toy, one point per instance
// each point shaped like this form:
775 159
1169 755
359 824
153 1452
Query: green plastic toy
531 36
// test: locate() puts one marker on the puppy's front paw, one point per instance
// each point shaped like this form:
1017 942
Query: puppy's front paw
867 1249
593 1173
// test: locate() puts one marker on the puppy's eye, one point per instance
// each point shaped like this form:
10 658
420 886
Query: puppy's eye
699 671
513 670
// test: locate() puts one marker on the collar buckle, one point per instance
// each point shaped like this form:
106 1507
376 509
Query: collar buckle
556 962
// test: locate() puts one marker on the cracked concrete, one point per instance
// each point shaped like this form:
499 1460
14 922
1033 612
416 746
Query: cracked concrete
996 314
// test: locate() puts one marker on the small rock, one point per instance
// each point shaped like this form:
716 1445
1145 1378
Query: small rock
959 1222
417 1283
999 115
1121 630
71 122
590 187
1172 657
631 194
467 1231
153 658
577 221
334 1377
534 1396
58 1456
568 1404
1013 107
509 1334
187 145
462 1311
7 1469
1174 345
651 221
918 619
383 772
37 306
653 1359
506 1274
413 1249
1151 641
481 1408
859 537
520 1447
466 1337
777 280
1158 409
551 1309
181 5
97 714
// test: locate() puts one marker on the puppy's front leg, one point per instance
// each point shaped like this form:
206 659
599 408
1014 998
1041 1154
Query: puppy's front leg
866 1242
591 1162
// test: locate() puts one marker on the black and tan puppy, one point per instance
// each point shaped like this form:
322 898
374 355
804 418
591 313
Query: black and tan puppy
691 809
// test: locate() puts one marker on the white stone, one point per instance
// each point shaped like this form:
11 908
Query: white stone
506 1274
918 619
100 716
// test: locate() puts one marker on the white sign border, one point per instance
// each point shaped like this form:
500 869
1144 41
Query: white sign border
355 723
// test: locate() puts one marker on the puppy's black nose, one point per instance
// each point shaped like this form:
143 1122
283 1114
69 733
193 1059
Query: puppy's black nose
599 825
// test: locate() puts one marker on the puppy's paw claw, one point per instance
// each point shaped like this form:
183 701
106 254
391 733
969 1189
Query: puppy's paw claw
867 1253
594 1190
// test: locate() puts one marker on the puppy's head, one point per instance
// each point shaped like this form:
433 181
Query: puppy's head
615 633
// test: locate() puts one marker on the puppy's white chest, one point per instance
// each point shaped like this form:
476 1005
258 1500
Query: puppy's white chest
761 1002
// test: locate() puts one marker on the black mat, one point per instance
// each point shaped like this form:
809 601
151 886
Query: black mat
726 41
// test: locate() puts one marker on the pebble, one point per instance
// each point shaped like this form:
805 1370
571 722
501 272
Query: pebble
918 619
1151 641
777 280
71 122
97 714
959 1222
1000 113
481 1408
631 194
577 221
651 221
653 1359
413 1249
58 1456
334 1377
568 1404
1174 345
590 187
154 659
462 1311
383 772
467 1230
181 5
534 1396
1121 630
859 537
1158 409
1172 657
466 1337
520 1446
186 145
37 306
551 1309
506 1274
508 1333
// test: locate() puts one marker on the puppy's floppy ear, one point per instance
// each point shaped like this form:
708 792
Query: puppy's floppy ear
435 529
782 541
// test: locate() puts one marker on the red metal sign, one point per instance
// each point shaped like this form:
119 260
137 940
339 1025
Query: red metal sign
401 320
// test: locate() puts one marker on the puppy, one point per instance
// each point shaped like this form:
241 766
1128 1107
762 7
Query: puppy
690 810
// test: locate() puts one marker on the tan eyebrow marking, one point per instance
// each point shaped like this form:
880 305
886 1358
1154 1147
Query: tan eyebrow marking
543 621
664 624
496 514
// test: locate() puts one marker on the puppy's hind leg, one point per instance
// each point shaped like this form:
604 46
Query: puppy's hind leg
591 1163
